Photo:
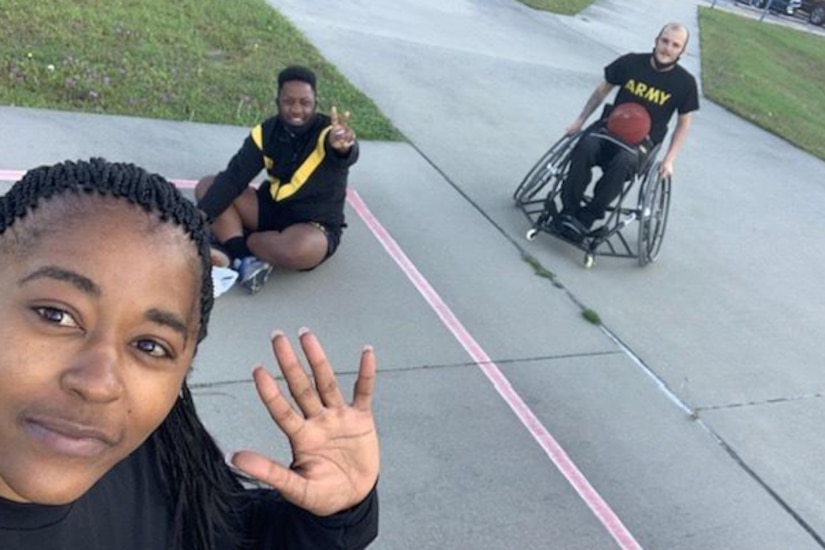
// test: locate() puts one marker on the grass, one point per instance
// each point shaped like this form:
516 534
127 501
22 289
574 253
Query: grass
539 269
216 61
564 7
200 60
770 75
591 316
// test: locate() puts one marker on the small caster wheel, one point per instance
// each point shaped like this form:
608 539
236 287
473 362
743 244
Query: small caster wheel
531 234
589 260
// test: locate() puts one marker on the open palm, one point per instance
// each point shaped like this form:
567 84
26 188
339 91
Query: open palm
335 455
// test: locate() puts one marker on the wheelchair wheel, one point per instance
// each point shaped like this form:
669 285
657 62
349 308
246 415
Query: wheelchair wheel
654 204
550 166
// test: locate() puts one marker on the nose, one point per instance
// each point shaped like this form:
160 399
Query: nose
94 374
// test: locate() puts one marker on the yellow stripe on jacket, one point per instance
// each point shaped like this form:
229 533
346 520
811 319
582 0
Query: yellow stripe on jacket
281 191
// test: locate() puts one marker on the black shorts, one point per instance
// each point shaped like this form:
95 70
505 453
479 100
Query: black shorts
273 218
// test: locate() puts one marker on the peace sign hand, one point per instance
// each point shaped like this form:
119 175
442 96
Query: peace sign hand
341 136
335 456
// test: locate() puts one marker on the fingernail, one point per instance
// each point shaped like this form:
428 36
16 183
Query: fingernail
275 333
228 458
302 331
368 347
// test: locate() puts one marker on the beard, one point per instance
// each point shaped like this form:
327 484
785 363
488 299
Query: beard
664 66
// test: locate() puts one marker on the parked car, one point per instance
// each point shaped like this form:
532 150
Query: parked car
787 7
815 10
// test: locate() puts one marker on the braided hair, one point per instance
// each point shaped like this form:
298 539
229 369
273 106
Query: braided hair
192 468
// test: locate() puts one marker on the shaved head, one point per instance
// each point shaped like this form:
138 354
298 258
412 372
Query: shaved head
676 28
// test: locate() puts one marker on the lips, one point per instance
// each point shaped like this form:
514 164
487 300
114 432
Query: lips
67 437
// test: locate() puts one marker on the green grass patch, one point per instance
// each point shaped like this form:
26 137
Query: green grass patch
200 60
588 314
539 269
770 75
564 7
591 316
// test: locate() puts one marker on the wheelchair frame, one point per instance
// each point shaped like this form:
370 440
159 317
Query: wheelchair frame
538 196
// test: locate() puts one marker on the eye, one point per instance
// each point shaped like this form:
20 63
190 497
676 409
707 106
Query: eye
56 316
153 348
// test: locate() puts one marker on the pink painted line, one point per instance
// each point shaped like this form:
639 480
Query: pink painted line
548 443
11 175
16 175
185 184
557 454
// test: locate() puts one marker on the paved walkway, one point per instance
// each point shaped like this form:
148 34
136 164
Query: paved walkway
507 421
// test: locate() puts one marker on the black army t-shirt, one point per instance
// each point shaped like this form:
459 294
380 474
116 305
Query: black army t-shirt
661 92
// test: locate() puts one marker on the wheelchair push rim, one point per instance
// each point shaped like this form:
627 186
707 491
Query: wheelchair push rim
654 209
549 166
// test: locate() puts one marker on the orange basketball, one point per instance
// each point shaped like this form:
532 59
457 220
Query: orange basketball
629 122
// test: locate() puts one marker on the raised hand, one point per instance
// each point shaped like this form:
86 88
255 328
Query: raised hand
335 456
341 136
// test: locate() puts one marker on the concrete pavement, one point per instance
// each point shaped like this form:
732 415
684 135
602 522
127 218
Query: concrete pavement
729 319
727 323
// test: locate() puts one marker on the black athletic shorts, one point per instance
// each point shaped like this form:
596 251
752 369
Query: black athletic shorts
273 218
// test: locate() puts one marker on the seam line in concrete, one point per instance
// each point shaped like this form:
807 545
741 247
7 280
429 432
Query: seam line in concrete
764 484
414 368
771 401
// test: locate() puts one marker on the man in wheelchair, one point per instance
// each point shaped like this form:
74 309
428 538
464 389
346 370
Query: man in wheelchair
657 83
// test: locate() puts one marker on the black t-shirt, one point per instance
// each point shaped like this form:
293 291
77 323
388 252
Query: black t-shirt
661 92
127 510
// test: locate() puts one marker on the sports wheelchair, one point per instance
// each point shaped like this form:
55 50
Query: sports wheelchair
539 197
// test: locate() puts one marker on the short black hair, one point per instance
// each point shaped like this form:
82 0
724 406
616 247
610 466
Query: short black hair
296 72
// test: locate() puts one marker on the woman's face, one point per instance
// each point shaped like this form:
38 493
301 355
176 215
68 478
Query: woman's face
99 311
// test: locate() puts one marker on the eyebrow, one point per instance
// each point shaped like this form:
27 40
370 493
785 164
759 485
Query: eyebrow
169 319
82 283
86 285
